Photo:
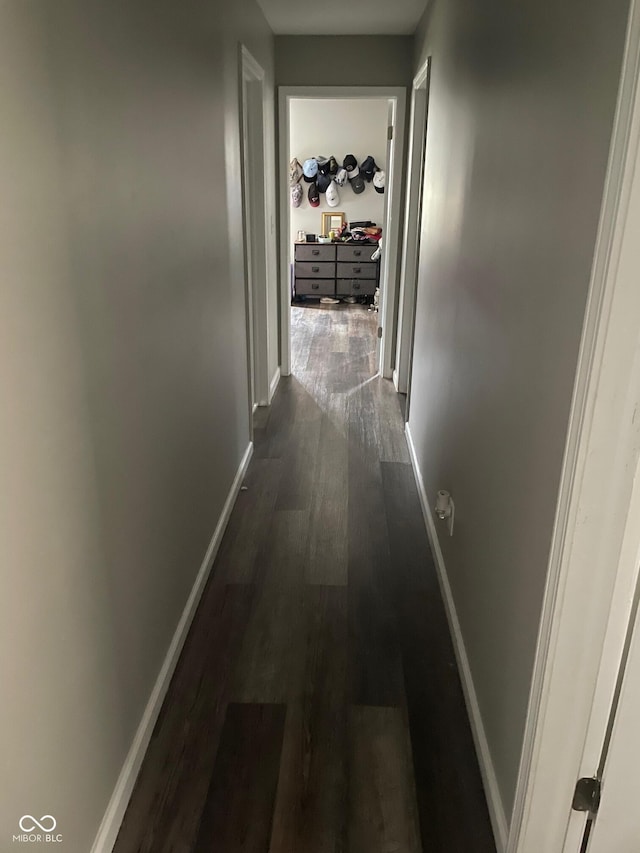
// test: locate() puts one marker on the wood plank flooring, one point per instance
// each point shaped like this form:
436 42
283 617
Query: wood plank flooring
316 707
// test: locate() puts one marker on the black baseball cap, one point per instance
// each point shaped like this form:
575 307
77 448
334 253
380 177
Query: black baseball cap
368 168
314 196
357 184
350 164
323 182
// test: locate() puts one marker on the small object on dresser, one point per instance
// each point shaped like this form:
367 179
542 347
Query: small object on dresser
311 238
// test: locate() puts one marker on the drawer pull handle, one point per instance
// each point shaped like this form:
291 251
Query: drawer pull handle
315 286
315 269
356 285
357 253
315 251
357 269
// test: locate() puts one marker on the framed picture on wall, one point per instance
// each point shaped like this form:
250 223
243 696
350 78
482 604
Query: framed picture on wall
332 222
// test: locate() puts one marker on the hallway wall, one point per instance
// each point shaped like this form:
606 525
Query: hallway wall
343 60
520 116
122 367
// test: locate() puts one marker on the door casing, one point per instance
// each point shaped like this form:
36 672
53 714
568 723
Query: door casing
254 133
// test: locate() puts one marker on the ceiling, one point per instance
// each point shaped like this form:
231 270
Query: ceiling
337 17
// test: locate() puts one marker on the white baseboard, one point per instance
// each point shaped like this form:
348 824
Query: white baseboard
108 831
494 800
273 385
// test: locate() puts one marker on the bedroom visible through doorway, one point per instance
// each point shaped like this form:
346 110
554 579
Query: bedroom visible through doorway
337 175
339 237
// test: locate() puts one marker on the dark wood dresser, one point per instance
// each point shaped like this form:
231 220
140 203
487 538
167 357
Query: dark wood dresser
335 269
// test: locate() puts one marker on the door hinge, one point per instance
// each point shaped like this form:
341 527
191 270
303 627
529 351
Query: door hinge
390 132
379 331
586 797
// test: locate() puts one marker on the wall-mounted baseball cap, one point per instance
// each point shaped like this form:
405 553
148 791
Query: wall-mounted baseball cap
314 195
296 195
357 184
341 177
333 198
323 182
351 165
323 165
333 165
368 168
310 169
379 181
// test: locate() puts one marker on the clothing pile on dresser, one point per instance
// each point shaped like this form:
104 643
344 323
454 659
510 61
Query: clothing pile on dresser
370 234
359 232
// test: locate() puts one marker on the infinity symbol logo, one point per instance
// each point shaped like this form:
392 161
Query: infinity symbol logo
47 823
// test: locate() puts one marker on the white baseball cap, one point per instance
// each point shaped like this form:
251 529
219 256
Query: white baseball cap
333 198
379 181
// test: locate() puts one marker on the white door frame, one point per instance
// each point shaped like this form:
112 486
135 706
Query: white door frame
256 230
391 234
412 225
590 572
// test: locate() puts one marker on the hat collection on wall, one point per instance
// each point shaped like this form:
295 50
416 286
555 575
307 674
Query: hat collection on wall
324 176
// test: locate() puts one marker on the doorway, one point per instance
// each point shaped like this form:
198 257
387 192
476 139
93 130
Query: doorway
308 110
412 232
254 202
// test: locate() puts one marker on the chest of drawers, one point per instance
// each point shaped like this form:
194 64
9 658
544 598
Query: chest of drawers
335 269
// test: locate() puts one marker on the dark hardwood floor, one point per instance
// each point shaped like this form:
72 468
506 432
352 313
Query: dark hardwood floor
316 707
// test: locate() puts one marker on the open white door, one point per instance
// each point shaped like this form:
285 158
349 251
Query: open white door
610 822
384 267
412 232
615 828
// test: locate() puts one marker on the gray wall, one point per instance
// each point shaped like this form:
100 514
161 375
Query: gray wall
122 367
343 60
520 116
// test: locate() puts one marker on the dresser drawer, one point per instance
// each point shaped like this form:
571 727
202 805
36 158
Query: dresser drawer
355 287
311 252
312 269
358 254
311 287
356 270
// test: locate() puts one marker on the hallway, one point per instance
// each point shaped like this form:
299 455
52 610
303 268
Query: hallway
316 705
